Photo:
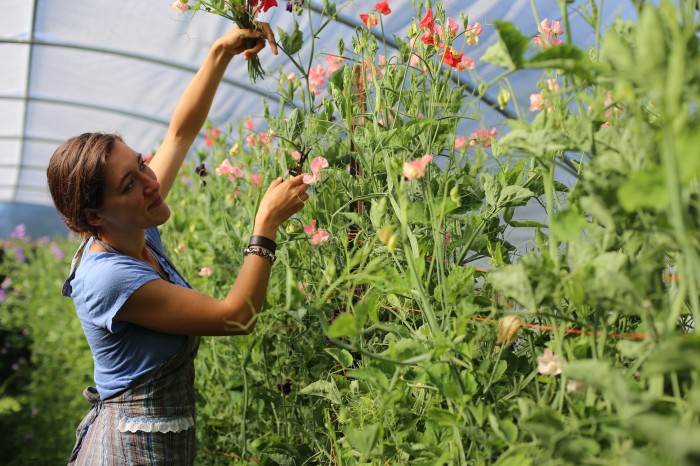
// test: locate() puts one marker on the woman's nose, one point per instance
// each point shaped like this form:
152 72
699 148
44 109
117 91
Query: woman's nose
150 182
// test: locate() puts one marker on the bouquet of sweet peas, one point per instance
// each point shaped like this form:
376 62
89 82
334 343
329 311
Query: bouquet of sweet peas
242 12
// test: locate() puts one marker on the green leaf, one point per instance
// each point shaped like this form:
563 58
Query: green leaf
577 449
566 57
644 189
568 224
341 355
444 418
291 43
513 196
687 144
365 438
344 325
459 283
372 375
324 389
509 50
513 282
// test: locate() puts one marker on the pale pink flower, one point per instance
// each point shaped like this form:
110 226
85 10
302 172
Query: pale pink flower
321 236
553 85
482 137
251 139
382 61
232 171
415 60
317 164
317 79
256 179
465 63
249 124
310 228
548 34
318 236
473 33
265 138
535 102
416 168
182 7
205 272
292 76
181 246
573 386
549 363
460 141
333 64
296 155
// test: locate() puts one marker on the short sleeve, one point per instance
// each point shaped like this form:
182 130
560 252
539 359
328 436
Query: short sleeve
103 284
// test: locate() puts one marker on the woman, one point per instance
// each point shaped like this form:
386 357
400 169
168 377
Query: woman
142 320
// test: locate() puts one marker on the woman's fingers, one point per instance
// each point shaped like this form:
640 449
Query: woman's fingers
270 37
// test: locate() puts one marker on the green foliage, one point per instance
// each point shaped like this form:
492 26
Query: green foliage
379 345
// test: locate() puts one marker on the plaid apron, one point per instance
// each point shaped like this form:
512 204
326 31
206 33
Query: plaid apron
152 423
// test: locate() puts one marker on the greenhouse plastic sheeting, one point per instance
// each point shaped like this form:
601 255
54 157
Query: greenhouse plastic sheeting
73 65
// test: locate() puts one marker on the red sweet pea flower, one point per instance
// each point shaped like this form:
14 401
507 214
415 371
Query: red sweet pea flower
453 57
427 22
267 4
383 7
369 20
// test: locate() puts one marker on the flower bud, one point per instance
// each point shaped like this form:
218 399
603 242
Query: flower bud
503 98
391 244
508 328
291 227
454 195
384 234
235 149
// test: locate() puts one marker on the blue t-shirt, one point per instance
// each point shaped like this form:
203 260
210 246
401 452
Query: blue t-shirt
122 351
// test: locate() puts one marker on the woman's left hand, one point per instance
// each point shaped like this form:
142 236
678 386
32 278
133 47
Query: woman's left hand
236 41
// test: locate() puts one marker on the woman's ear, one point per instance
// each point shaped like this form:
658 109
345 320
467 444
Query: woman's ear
93 217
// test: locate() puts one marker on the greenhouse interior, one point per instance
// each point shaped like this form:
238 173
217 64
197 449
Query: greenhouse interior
343 232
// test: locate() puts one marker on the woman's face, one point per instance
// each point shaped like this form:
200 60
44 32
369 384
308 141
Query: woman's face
132 200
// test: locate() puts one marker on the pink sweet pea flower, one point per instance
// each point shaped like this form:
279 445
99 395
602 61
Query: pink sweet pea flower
536 102
251 139
369 20
256 179
416 168
549 363
460 141
333 64
296 155
182 7
249 125
428 22
482 137
205 272
465 63
317 78
211 135
232 171
317 164
548 34
473 33
383 7
318 236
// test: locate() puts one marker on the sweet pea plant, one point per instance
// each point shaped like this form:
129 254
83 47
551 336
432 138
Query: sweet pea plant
402 326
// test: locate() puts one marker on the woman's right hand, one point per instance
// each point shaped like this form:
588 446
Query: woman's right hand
281 200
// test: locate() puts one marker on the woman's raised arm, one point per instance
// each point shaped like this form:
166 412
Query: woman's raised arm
193 108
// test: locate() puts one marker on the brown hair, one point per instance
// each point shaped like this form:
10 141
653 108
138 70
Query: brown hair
76 177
